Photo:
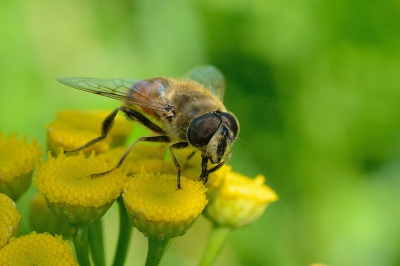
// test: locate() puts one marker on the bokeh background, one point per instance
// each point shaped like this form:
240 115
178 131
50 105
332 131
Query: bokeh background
314 84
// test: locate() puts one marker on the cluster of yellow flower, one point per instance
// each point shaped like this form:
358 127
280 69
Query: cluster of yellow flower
18 160
146 181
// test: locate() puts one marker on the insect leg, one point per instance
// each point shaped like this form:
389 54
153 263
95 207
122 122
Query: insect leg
108 123
151 139
205 172
190 155
179 145
136 116
215 168
188 158
105 128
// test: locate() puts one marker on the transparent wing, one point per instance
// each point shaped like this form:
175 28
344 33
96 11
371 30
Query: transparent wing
209 77
125 90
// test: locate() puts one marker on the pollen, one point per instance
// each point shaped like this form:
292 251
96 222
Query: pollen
72 129
67 180
37 249
17 161
158 209
9 219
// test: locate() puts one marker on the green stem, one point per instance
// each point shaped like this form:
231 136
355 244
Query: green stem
80 239
125 232
96 242
216 240
156 250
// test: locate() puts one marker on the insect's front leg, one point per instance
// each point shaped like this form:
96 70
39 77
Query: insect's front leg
205 172
185 165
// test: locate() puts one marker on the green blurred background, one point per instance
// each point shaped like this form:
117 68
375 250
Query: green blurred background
314 84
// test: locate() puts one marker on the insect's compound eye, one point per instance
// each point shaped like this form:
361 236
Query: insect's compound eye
202 129
231 122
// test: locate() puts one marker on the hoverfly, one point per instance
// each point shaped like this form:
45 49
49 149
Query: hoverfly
186 112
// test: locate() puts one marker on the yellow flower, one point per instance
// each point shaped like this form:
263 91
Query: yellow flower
236 200
72 129
46 221
66 183
9 219
17 161
158 209
37 249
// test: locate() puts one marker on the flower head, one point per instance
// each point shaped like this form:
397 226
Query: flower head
37 249
158 209
9 219
66 183
17 161
236 200
72 129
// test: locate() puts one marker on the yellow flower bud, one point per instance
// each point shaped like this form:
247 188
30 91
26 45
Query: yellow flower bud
236 200
17 161
9 219
70 191
158 209
37 249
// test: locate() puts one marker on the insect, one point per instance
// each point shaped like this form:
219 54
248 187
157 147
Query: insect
186 112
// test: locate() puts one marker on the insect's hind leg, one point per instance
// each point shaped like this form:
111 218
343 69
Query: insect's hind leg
136 116
151 139
105 129
109 121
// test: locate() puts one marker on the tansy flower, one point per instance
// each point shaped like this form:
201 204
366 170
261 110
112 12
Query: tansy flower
236 200
46 221
72 129
17 161
158 209
37 249
9 219
70 191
